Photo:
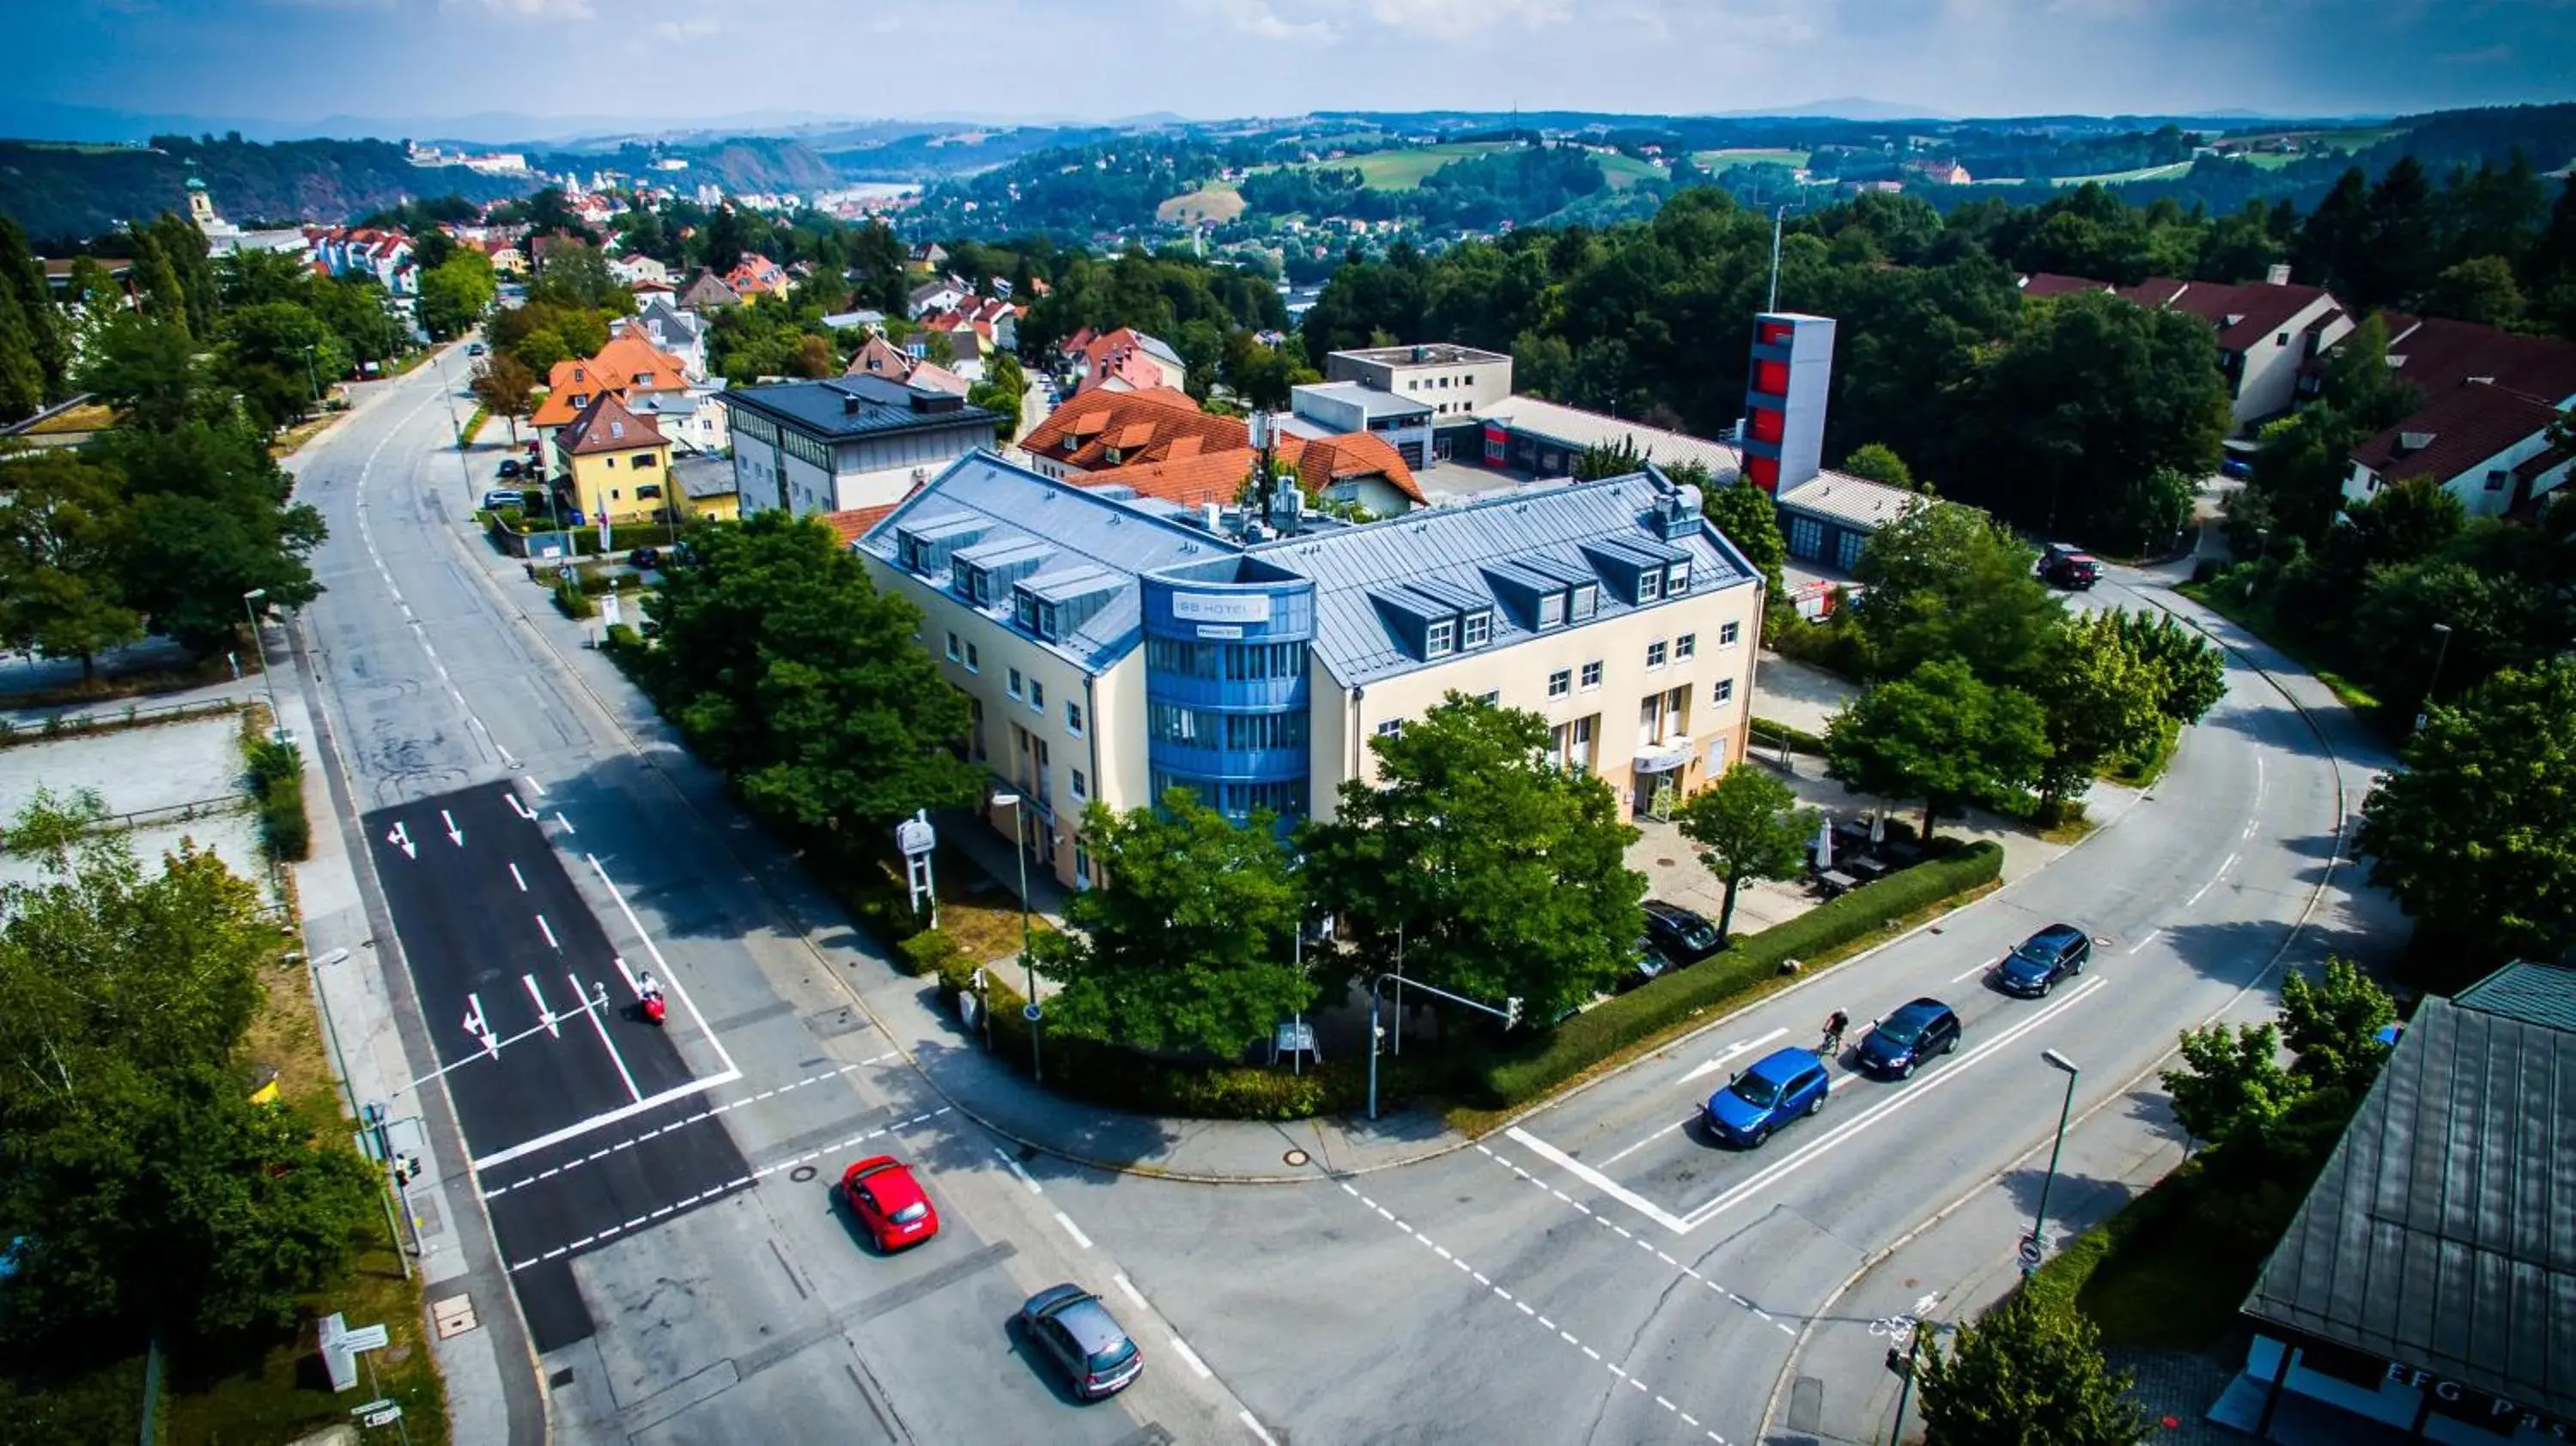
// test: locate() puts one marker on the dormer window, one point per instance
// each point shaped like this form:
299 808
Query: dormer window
1677 579
1476 630
1586 602
1650 586
1440 638
1551 610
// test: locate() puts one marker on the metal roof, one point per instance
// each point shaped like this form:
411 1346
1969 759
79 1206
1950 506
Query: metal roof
1090 535
1578 429
822 408
1838 497
1545 529
2533 993
1371 402
2442 1234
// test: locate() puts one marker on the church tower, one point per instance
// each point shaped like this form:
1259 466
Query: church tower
201 202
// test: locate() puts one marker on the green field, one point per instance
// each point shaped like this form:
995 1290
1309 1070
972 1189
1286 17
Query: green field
2113 178
1215 201
1402 170
1751 156
1625 171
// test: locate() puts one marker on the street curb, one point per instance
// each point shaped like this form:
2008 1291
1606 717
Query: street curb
2316 896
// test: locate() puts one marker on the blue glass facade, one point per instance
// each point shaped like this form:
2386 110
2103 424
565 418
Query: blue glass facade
1226 694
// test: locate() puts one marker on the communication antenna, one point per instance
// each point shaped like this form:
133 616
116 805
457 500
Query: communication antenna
1777 214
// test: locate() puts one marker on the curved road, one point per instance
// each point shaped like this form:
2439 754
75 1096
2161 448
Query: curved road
1598 1273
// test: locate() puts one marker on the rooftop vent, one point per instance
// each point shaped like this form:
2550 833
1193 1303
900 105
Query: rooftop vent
849 404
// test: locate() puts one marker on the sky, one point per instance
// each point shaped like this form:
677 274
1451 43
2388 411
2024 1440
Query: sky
667 63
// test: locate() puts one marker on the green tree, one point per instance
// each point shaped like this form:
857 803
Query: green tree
2101 699
211 519
59 538
2230 1082
2192 672
1951 582
1605 459
279 355
2332 1022
1507 876
575 276
2025 1375
506 388
1745 514
793 674
1748 826
1940 735
148 371
1003 391
1187 945
1879 463
456 292
35 344
2476 833
2480 289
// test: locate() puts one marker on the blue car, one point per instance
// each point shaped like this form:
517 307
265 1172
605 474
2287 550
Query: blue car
1779 1088
2054 953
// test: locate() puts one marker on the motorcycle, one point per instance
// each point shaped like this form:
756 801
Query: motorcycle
649 1000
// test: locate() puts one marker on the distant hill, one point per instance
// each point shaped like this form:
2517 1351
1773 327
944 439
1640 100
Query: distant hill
57 190
738 163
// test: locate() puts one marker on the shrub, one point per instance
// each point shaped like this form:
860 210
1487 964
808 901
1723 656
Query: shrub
572 602
1605 1029
1775 733
277 781
622 637
930 952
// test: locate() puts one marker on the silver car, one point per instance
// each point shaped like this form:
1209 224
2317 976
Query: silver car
1072 1328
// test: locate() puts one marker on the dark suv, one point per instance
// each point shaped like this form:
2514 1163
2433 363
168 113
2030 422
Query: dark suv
2069 568
2056 952
1684 936
1900 1043
1072 1328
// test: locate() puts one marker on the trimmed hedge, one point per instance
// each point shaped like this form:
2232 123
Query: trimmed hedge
1766 730
1606 1028
572 602
277 780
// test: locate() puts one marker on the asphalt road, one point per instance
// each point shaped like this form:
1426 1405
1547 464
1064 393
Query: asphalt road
673 1241
1600 1273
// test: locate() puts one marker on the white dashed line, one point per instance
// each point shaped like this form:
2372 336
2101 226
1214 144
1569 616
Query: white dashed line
1128 1288
1014 1166
1073 1230
1252 1423
1182 1349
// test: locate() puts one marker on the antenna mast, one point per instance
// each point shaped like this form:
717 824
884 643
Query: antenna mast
1777 213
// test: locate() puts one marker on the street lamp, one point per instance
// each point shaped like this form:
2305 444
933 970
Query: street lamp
310 378
276 722
1028 968
2038 1222
2441 653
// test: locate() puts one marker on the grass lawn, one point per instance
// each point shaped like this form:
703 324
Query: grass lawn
2257 618
474 424
1750 156
1625 171
1215 201
1402 170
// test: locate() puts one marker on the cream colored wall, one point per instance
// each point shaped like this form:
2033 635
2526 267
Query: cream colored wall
1119 733
593 479
1519 673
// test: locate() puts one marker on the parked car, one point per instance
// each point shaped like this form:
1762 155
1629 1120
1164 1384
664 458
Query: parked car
510 467
1684 935
1069 1326
645 559
474 349
500 497
889 1202
2069 567
1780 1087
1645 966
1902 1041
2056 952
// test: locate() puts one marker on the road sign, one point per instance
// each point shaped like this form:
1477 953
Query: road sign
2030 1250
564 572
381 1413
1030 1012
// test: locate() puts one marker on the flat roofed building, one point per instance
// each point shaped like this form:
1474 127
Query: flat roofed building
1116 645
1453 379
845 442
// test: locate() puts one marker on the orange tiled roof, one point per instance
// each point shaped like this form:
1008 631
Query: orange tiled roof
1327 460
1143 425
633 360
570 386
607 426
1191 481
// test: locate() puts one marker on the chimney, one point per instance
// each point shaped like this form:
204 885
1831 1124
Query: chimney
1208 513
2278 274
849 404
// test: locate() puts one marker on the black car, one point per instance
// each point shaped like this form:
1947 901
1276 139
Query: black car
1681 934
1898 1044
1070 1326
645 559
2056 952
510 467
2069 567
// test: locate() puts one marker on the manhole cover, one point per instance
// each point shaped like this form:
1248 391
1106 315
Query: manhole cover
1296 1157
801 1174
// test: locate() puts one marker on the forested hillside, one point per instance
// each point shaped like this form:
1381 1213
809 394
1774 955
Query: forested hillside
55 192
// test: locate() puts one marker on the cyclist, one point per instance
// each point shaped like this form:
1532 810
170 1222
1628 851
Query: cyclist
1835 1024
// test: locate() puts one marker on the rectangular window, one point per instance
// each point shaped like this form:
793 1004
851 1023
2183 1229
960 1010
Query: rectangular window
1493 699
1650 720
1560 682
1046 781
645 461
1650 586
1080 791
1726 634
953 653
1081 867
1677 710
1390 728
975 727
973 664
1167 723
1016 687
1724 692
1591 675
1478 630
1440 638
1687 645
1551 610
1587 601
1655 654
1249 731
1073 719
1037 695
1677 579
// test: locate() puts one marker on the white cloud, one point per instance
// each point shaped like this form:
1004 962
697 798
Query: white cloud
1258 18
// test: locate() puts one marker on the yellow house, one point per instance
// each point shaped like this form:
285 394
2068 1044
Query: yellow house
704 489
612 463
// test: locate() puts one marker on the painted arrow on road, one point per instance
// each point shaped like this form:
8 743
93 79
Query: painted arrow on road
402 840
455 835
1730 1052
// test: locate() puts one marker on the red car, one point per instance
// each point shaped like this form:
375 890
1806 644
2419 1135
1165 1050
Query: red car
885 1197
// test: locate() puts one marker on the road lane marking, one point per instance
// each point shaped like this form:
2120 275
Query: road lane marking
1182 1349
543 1012
1079 1239
1923 1086
1014 1167
548 930
539 787
1128 1288
1971 974
1253 1424
1597 1181
1730 1052
2142 943
602 1121
516 879
567 823
601 1025
662 964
